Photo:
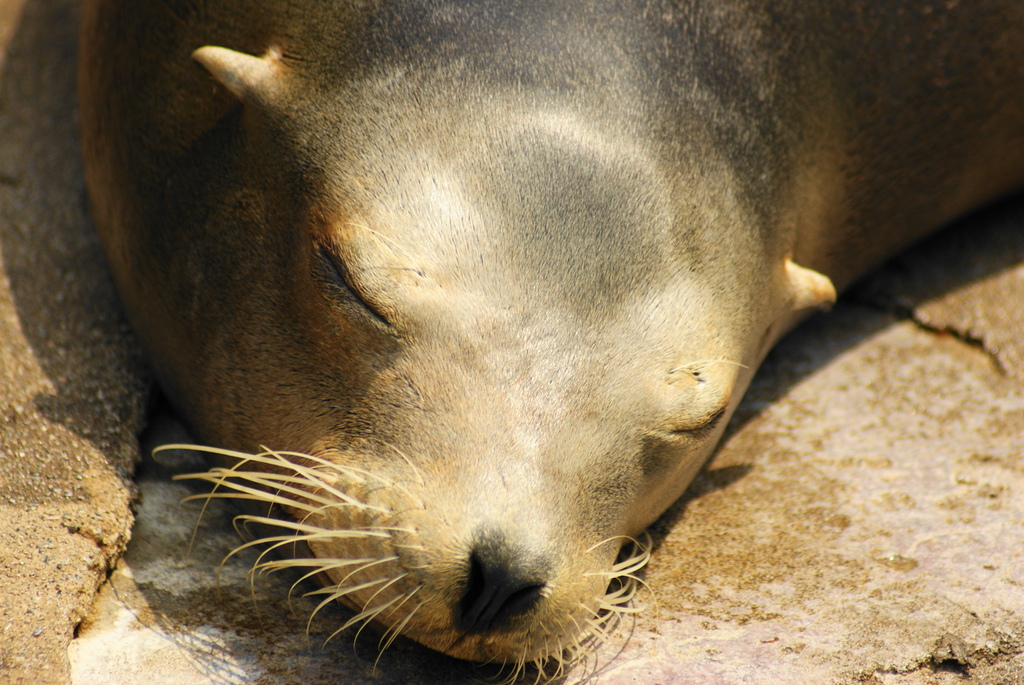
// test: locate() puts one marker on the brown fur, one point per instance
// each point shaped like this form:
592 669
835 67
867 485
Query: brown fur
502 271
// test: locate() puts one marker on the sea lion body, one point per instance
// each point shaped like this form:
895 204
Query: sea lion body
504 269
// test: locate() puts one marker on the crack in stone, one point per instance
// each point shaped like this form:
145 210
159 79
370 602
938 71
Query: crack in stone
978 343
908 313
952 655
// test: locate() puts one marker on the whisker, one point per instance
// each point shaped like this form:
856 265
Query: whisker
277 484
235 479
579 629
392 629
396 631
318 565
309 531
705 362
274 543
314 489
367 615
344 580
405 457
595 626
336 594
277 541
520 664
321 474
607 540
415 548
388 242
615 608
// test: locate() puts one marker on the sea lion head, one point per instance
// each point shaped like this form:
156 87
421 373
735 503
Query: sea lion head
496 343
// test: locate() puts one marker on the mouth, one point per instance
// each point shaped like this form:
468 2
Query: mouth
357 534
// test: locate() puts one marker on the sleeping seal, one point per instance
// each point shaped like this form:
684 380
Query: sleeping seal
488 278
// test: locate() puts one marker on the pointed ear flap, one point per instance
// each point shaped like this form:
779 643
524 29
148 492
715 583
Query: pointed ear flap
244 75
807 288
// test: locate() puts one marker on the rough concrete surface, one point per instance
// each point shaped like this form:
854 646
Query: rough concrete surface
71 384
862 523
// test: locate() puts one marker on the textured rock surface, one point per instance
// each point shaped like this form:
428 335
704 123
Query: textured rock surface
864 521
70 383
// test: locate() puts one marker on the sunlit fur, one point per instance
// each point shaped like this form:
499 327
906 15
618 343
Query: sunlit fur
598 628
305 486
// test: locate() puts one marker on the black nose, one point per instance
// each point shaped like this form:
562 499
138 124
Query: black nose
500 585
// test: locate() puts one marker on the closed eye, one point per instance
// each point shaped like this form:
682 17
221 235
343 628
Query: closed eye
698 428
335 273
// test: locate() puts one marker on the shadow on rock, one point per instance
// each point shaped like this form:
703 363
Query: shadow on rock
972 250
63 296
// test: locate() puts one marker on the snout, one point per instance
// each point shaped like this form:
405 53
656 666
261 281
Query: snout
498 592
504 583
515 589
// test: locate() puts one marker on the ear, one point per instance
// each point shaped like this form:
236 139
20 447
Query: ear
246 76
807 288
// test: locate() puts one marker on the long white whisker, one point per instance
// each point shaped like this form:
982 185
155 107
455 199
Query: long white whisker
236 481
319 494
366 615
336 594
278 484
396 630
398 606
344 580
319 474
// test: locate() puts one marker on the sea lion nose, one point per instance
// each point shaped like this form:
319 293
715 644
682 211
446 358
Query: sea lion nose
500 585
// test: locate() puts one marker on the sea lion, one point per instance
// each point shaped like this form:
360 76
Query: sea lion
492 276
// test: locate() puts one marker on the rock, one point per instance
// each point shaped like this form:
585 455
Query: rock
72 388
